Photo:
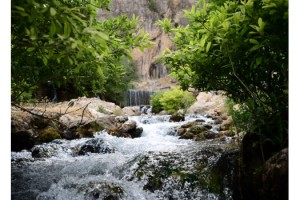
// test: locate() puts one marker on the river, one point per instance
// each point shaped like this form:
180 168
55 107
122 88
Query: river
157 165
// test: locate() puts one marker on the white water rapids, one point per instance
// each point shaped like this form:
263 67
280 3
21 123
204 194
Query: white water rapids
119 174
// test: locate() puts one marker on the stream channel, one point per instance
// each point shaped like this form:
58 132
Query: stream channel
157 165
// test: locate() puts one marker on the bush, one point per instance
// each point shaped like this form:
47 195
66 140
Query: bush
171 101
155 102
241 115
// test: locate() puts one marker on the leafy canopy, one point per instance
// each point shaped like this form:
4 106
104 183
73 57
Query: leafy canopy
62 42
240 47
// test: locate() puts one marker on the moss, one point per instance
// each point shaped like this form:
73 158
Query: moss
198 129
49 134
214 182
154 182
139 175
117 190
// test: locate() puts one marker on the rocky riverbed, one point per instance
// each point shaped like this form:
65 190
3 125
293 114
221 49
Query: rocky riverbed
82 117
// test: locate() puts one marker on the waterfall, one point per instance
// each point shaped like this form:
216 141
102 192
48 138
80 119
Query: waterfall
157 165
138 97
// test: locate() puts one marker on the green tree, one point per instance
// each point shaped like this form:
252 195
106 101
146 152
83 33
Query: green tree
240 47
62 42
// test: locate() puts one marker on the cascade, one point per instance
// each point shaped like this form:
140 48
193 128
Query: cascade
157 165
138 97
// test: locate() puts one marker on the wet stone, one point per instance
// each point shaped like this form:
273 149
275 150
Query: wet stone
95 146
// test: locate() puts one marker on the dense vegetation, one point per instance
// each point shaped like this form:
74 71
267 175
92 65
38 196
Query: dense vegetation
60 44
240 47
172 101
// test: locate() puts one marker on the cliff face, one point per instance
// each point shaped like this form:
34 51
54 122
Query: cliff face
149 11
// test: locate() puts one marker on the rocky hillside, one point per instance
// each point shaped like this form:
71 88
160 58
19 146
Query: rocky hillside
149 11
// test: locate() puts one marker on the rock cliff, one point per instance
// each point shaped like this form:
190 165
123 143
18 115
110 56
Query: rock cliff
149 11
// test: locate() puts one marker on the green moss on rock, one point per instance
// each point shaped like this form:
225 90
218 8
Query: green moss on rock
49 134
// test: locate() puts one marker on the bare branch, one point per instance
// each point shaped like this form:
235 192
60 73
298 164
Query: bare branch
83 113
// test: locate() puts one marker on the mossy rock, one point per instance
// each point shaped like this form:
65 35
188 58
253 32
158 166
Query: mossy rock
187 135
154 183
176 118
199 137
49 134
198 129
190 124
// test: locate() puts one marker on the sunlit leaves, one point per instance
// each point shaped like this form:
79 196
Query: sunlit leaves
52 11
166 24
234 46
61 41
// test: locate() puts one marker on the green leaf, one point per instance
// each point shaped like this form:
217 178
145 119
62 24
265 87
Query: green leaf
255 47
70 60
203 40
30 49
20 8
253 41
52 11
258 60
103 35
67 29
52 29
225 25
260 22
208 46
74 45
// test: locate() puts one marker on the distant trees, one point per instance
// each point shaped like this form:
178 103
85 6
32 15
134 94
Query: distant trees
61 42
240 47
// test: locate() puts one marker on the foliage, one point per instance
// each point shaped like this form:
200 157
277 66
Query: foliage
240 47
155 102
242 118
62 42
171 101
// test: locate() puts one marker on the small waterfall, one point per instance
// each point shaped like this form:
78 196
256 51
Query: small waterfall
138 97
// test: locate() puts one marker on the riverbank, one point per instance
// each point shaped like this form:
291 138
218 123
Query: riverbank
82 117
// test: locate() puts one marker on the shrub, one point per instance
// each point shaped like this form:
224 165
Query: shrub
172 100
155 102
241 115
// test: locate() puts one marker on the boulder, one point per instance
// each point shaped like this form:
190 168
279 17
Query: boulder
43 151
137 132
121 119
177 118
95 145
127 129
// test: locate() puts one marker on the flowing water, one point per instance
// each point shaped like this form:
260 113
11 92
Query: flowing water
158 165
